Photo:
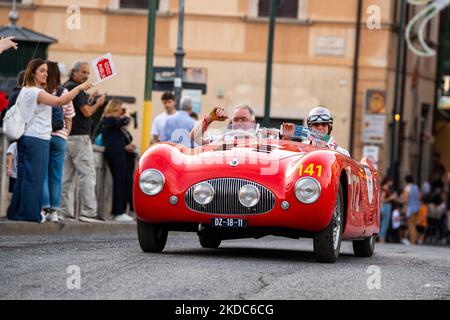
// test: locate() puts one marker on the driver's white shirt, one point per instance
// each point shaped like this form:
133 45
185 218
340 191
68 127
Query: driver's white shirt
338 148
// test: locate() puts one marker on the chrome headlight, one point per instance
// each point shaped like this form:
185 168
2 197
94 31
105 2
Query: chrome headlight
249 196
307 190
203 193
151 182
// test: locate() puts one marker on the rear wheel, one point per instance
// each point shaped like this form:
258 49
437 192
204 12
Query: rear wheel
151 237
327 242
209 241
364 248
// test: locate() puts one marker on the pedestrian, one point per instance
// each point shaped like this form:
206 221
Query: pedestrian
33 147
157 132
115 155
61 125
388 195
179 126
79 159
422 220
131 156
394 234
11 165
412 203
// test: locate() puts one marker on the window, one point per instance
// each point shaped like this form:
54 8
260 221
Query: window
10 1
285 8
136 4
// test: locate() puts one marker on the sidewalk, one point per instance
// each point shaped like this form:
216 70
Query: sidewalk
69 228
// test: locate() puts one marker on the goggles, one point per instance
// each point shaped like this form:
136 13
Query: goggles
320 118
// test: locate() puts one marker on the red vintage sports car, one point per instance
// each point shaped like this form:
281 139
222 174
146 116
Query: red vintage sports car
249 186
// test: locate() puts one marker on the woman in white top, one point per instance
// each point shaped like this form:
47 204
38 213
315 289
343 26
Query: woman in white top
33 147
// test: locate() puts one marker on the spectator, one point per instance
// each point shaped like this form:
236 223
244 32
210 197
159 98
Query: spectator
131 155
422 222
7 43
433 232
411 201
58 143
387 197
11 165
15 92
179 126
79 158
395 222
115 155
157 132
33 146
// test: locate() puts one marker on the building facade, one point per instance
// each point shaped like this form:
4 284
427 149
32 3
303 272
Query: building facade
314 58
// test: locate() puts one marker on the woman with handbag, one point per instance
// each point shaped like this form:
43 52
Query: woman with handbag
33 146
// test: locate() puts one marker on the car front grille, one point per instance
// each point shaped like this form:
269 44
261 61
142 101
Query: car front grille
226 198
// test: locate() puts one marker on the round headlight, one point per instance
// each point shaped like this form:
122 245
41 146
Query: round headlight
151 182
203 193
307 190
249 196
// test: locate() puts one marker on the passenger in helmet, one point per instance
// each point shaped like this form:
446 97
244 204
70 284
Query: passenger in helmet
319 119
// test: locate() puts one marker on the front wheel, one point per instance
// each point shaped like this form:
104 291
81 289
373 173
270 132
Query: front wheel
152 238
364 248
327 242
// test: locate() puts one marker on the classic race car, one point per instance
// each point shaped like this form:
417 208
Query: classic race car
249 185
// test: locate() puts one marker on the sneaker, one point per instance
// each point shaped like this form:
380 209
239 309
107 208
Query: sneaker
406 242
43 216
87 219
123 218
53 216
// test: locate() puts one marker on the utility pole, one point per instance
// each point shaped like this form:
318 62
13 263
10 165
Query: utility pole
393 169
179 55
272 14
145 138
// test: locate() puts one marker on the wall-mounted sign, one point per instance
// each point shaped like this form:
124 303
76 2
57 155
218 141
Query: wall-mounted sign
373 128
375 101
329 46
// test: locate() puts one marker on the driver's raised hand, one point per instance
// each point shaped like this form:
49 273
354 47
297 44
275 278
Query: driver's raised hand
288 129
217 114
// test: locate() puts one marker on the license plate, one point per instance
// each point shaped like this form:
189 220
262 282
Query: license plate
228 223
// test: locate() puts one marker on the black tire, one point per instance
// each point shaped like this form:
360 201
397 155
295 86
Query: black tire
209 241
151 237
364 248
326 248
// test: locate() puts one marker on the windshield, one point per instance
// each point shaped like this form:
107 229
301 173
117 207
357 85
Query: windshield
252 135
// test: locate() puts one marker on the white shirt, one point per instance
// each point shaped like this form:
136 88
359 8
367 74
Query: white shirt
12 149
38 117
159 124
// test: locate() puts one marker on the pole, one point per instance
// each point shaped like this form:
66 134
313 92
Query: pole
272 14
393 170
355 73
179 55
145 139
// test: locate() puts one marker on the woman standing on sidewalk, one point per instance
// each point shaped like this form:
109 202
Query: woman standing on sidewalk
58 143
33 147
412 203
387 196
115 142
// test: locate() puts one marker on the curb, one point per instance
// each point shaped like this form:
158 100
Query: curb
72 228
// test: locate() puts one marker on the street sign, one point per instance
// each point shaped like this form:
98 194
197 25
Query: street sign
373 128
193 78
196 97
104 67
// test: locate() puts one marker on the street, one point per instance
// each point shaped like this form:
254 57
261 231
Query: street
114 267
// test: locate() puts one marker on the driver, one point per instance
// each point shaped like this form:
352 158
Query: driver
242 118
319 119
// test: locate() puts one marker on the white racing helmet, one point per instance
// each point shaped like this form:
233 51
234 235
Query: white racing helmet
320 115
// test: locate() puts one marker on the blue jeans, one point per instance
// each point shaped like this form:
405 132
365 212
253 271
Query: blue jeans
53 180
32 166
386 210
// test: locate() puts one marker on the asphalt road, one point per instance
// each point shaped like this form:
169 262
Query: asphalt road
114 267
